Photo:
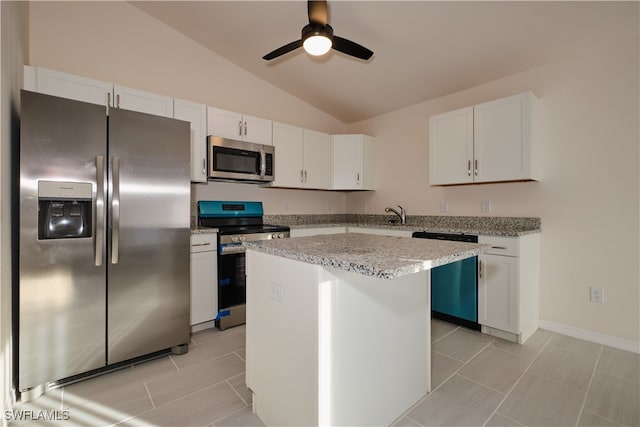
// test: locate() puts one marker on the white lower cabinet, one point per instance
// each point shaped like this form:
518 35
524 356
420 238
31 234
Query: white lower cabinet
508 279
204 277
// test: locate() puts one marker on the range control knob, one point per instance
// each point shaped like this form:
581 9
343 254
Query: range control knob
242 238
280 235
234 239
274 236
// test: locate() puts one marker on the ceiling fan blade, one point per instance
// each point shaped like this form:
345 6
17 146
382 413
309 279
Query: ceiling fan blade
282 50
317 11
351 48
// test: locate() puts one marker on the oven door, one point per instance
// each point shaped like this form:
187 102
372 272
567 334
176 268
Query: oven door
239 160
231 288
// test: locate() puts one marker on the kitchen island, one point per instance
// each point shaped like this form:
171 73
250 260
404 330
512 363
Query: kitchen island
338 326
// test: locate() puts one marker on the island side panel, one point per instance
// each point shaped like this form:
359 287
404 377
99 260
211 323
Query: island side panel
282 339
380 347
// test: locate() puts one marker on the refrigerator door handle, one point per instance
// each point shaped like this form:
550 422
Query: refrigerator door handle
99 240
115 211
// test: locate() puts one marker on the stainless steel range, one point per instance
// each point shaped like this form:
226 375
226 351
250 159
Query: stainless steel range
237 222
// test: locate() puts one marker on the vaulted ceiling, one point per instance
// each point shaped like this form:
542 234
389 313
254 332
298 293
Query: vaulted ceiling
422 49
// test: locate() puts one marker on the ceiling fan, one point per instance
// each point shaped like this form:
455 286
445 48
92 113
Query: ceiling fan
317 37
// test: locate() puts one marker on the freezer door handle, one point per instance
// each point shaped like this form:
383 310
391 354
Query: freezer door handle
115 211
99 238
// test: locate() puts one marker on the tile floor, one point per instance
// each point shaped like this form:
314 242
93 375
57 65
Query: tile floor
478 380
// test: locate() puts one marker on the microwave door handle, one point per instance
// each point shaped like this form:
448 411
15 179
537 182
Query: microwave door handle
263 163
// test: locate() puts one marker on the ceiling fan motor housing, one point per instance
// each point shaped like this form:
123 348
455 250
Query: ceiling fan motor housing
314 29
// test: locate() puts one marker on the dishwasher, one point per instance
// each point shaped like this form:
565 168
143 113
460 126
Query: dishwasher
454 286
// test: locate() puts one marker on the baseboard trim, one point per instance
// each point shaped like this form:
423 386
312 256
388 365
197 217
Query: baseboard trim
596 337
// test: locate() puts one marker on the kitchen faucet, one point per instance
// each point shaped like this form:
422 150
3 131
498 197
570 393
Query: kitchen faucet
401 214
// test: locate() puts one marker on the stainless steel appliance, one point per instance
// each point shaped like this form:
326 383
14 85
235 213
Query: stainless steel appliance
237 222
103 239
238 160
454 286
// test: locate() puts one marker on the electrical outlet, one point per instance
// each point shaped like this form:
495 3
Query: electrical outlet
444 206
277 292
597 295
485 206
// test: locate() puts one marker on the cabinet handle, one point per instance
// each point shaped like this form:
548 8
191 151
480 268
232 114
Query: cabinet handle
200 244
504 248
480 269
245 128
108 100
301 175
469 167
240 128
358 178
305 176
476 166
204 167
118 100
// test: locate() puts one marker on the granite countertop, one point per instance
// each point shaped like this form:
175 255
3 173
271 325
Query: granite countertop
491 226
383 257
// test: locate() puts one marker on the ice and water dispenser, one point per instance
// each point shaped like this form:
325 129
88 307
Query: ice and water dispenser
64 209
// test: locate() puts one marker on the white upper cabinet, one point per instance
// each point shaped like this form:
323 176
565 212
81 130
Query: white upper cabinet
242 127
316 160
303 157
287 141
353 162
143 102
489 142
196 115
451 147
50 82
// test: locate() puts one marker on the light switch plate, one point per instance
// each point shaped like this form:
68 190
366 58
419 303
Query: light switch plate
485 206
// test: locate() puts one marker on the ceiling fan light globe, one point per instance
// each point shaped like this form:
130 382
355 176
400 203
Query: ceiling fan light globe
317 45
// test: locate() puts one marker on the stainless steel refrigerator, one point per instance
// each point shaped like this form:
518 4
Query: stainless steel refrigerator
104 217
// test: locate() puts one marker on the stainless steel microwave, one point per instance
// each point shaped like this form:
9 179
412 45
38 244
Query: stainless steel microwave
238 160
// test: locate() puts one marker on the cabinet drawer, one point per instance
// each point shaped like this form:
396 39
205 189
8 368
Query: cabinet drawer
507 246
203 242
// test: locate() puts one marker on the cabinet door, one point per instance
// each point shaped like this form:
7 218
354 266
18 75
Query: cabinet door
223 123
287 141
64 85
498 292
451 147
196 115
346 156
317 160
500 139
143 102
204 292
257 130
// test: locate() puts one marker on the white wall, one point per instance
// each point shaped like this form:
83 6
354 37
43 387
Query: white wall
117 42
588 198
13 30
